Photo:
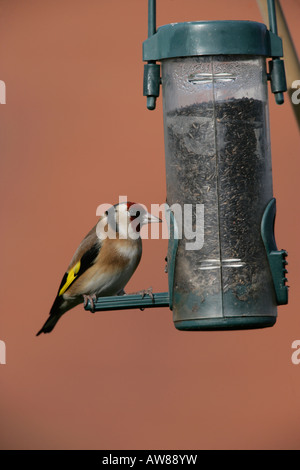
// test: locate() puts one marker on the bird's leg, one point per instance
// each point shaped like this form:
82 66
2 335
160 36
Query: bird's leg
121 292
166 267
92 299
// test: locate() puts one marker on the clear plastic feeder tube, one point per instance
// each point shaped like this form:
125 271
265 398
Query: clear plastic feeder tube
217 149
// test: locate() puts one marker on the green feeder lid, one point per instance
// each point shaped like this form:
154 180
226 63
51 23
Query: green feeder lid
208 38
212 38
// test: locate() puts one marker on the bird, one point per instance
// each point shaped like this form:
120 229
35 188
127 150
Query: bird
104 261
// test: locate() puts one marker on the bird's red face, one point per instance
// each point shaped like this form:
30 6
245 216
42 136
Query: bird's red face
135 211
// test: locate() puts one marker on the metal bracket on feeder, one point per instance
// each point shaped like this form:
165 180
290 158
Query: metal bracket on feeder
151 83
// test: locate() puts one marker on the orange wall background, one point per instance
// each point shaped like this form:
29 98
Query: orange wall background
75 133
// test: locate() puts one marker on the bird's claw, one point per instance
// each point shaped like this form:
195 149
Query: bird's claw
121 292
147 292
144 292
91 299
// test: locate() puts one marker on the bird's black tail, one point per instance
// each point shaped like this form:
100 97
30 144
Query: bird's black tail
50 324
55 313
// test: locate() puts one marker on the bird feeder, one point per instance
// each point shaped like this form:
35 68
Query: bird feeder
218 157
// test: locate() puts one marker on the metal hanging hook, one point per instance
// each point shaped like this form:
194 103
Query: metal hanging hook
272 16
151 69
276 65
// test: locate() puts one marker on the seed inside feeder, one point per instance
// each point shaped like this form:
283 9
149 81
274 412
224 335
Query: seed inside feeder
215 155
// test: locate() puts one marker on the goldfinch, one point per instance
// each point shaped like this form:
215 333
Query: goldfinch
104 261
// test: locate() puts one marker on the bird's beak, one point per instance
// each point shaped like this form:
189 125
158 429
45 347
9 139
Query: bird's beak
150 218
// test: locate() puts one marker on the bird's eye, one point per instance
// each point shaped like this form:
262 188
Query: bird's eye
135 216
106 213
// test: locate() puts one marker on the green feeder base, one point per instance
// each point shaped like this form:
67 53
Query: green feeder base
229 323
